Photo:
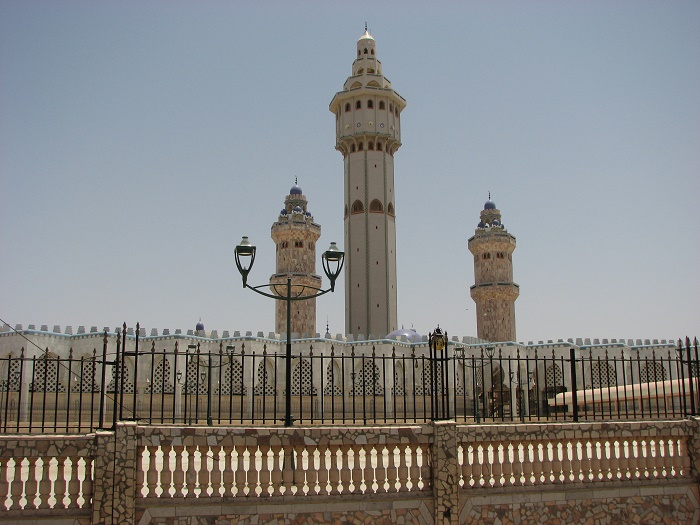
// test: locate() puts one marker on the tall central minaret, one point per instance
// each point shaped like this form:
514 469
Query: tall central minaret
368 133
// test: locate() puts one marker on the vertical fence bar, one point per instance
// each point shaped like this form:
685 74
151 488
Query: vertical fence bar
691 376
574 396
103 390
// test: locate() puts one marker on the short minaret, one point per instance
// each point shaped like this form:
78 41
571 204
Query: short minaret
494 291
368 133
295 233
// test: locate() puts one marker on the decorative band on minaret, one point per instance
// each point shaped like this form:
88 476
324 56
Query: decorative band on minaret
295 234
494 291
368 133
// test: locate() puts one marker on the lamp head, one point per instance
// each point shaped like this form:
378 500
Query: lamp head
245 257
439 339
333 260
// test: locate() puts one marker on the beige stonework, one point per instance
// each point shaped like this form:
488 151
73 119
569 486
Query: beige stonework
494 291
295 234
368 133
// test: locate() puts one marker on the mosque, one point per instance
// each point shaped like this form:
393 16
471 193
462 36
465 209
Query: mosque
368 135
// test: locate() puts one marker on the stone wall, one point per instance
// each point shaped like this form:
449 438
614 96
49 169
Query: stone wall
437 473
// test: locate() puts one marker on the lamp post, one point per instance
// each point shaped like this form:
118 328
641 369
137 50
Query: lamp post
332 260
437 342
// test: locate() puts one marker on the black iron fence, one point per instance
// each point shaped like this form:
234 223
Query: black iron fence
235 385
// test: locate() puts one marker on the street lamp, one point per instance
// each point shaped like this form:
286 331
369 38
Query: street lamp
437 342
332 260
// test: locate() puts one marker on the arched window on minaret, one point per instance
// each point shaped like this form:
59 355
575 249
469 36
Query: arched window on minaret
372 51
375 206
357 207
358 104
382 105
352 149
360 146
390 209
360 71
370 104
347 107
346 211
370 145
365 51
379 146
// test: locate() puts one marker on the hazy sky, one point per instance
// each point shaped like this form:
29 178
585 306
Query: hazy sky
140 140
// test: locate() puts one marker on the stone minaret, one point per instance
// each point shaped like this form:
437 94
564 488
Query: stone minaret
295 233
368 133
494 291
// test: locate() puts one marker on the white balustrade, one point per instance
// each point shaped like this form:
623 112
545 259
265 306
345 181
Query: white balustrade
261 470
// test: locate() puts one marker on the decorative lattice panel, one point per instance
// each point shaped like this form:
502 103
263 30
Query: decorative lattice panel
265 385
302 380
332 386
653 372
162 379
367 381
398 388
553 376
425 379
10 382
46 376
197 381
603 374
85 381
126 384
232 378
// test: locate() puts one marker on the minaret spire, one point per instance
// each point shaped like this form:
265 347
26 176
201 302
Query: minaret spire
368 134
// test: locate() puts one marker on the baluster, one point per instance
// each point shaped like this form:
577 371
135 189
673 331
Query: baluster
322 475
179 473
315 466
16 484
662 450
575 460
597 460
426 466
367 474
412 466
517 464
307 467
4 484
73 484
654 457
373 474
624 460
276 467
338 465
506 460
528 461
189 471
59 486
478 464
331 482
148 465
45 484
30 486
468 465
251 466
263 470
288 470
560 462
216 488
537 462
402 459
346 472
204 472
380 470
395 460
229 488
548 454
489 454
87 482
352 479
644 458
682 457
166 474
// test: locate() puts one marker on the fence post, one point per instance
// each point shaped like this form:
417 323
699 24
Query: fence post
574 394
445 473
